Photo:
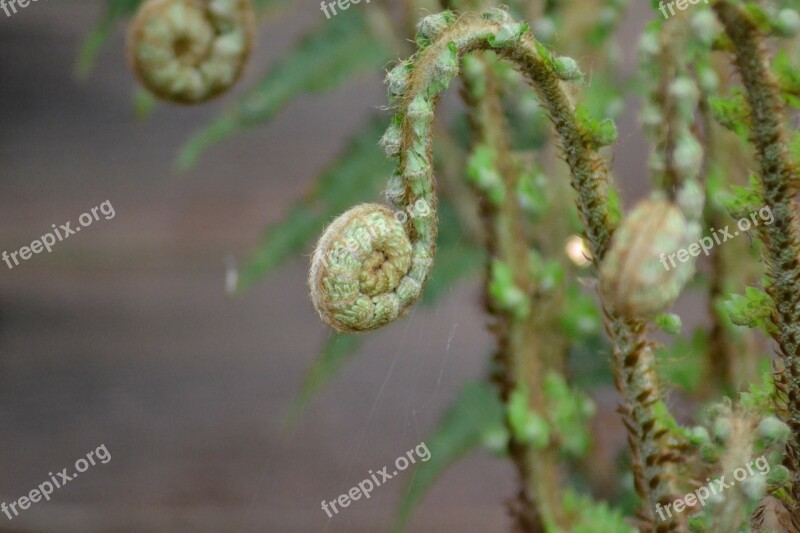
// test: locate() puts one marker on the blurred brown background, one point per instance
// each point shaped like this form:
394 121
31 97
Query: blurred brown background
123 335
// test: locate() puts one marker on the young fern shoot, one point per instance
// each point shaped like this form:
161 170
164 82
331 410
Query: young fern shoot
190 51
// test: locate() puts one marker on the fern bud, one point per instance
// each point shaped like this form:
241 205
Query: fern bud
392 140
432 26
772 430
420 110
787 23
397 80
395 190
636 279
723 429
508 33
705 26
688 156
685 94
691 199
446 68
649 47
567 69
498 15
707 79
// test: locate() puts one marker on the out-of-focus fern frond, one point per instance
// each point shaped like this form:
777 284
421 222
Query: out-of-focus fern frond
357 176
474 413
338 348
115 10
326 57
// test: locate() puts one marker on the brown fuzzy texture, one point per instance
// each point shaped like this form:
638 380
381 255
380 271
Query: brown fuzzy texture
777 171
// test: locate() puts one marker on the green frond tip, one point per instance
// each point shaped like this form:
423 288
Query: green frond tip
475 413
325 58
338 349
591 516
114 11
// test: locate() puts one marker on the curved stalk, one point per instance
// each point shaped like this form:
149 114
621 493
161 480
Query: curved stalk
417 86
522 334
776 170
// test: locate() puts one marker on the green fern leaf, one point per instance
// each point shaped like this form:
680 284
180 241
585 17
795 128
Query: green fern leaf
115 10
337 350
474 413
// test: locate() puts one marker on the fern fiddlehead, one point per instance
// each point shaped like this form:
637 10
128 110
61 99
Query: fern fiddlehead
189 51
416 86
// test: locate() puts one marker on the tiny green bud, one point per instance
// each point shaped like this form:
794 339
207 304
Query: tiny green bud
420 110
705 26
723 429
773 430
707 79
669 323
788 22
691 199
605 134
507 33
778 475
698 435
397 80
498 15
447 66
395 190
432 26
536 431
754 486
684 91
688 156
504 293
392 140
567 68
649 47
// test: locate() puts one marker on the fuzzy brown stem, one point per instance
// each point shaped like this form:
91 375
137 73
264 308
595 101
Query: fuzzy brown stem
520 356
776 171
